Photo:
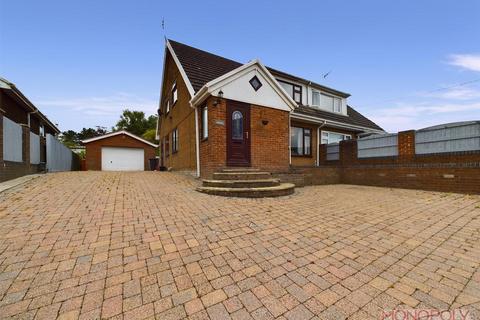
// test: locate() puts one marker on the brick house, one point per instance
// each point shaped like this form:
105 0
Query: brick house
17 113
216 113
118 151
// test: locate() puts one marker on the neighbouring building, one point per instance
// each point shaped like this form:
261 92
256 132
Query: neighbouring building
118 151
23 131
216 113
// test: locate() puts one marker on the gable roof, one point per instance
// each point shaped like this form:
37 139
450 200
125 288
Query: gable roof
116 133
285 101
201 67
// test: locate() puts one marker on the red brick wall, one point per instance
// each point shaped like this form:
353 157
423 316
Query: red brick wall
452 172
213 152
93 156
181 116
269 143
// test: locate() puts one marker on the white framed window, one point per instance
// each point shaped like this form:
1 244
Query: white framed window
174 93
167 106
294 90
205 122
175 140
333 137
315 98
326 101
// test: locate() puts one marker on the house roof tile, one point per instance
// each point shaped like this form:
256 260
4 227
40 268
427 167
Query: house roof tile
202 67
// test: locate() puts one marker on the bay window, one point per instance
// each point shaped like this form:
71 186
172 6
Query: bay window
301 141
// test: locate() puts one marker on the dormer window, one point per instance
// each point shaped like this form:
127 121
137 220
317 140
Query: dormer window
295 91
326 101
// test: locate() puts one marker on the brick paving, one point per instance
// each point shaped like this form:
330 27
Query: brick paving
93 245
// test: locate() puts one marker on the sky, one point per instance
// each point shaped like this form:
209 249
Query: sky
407 64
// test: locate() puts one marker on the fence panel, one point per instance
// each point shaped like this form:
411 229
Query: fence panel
384 145
59 157
12 141
454 137
34 148
333 151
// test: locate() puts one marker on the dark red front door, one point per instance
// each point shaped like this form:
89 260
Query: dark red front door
238 134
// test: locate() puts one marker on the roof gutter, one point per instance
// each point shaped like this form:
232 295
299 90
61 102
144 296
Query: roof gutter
11 86
335 123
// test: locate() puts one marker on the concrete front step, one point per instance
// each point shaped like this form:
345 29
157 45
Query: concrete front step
259 183
240 169
249 175
283 189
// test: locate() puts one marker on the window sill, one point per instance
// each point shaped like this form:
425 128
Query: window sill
302 156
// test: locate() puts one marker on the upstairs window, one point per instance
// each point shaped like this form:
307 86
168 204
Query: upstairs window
175 140
174 93
205 122
328 102
167 106
334 137
301 141
295 91
41 130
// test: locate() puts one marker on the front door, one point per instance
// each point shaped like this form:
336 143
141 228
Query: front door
238 134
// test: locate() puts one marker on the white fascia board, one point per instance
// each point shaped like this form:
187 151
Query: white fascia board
180 68
211 87
335 123
112 134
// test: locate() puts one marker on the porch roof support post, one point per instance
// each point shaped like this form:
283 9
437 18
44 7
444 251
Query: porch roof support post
197 142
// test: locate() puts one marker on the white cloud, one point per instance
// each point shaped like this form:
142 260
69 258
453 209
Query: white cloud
458 93
466 61
405 116
78 112
109 105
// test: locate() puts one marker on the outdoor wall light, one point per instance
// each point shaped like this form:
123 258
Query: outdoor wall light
219 96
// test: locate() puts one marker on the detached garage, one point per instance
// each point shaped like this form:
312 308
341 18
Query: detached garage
118 151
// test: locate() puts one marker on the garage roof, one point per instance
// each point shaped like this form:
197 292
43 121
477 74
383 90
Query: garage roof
116 133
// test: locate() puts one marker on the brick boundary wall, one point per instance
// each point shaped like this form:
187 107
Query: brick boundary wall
448 172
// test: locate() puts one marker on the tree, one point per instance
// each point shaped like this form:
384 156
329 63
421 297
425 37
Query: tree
150 135
69 138
88 133
135 122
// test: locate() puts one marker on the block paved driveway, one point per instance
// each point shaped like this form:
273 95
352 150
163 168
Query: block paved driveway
96 245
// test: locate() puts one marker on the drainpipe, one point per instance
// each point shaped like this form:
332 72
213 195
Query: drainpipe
29 114
197 142
318 141
289 140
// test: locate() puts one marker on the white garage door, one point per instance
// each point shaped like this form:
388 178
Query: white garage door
122 159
